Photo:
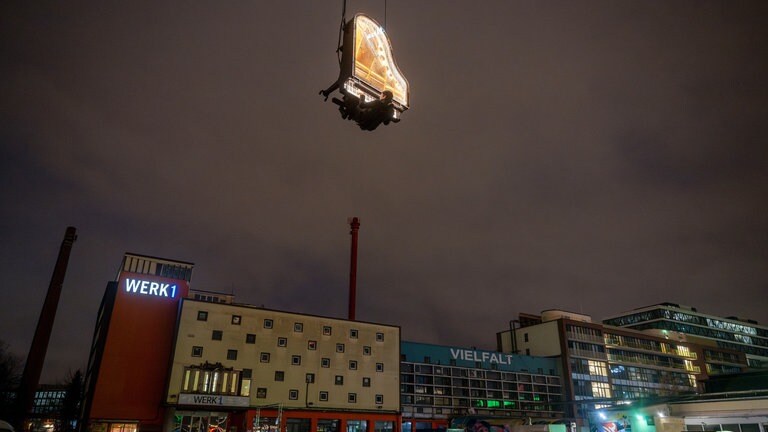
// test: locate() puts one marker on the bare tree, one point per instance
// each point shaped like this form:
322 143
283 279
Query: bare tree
10 374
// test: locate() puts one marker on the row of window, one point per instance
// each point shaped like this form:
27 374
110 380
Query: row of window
298 327
264 357
282 342
293 394
479 373
475 383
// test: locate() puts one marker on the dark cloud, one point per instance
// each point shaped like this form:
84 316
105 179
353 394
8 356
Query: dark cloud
592 156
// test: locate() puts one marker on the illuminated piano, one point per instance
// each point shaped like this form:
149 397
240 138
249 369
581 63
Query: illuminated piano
369 76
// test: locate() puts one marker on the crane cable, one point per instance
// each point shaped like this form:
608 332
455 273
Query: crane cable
341 28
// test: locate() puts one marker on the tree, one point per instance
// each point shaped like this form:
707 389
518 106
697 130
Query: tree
10 375
70 406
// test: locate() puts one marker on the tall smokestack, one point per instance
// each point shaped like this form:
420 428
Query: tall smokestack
34 366
354 224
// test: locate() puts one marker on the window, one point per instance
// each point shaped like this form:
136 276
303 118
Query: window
339 380
379 399
353 365
327 330
427 359
279 376
282 342
324 396
298 327
197 351
353 333
379 367
236 319
325 362
202 315
250 338
293 394
261 392
265 357
352 397
231 354
525 336
296 360
216 335
366 382
379 337
339 347
312 345
268 323
309 378
366 350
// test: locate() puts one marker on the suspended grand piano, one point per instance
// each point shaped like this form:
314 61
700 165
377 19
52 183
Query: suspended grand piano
373 89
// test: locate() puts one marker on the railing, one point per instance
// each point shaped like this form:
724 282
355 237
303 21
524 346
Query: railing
628 359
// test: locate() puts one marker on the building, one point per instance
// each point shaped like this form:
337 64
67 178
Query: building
438 382
252 368
165 357
603 364
731 333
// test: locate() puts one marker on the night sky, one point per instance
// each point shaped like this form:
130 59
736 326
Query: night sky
593 156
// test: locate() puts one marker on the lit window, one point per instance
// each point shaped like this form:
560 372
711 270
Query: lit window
216 335
268 323
353 333
339 380
312 345
379 337
353 365
325 362
296 360
339 348
327 330
379 367
265 357
202 316
236 319
298 327
293 394
324 396
250 338
352 398
366 350
197 351
282 342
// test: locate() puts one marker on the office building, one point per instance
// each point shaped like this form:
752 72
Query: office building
604 364
438 382
731 333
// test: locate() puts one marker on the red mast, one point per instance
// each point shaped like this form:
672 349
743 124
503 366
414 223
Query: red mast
354 224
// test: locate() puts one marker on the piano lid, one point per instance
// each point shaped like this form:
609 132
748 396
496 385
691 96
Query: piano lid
374 63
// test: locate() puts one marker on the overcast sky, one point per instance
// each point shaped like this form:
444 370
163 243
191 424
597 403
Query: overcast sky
593 156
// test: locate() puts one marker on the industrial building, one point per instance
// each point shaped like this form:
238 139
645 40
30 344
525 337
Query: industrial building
165 357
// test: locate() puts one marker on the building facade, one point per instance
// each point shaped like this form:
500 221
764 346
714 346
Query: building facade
439 382
731 333
604 365
165 357
255 369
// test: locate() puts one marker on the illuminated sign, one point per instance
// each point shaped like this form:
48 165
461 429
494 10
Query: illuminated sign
481 356
213 400
142 287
